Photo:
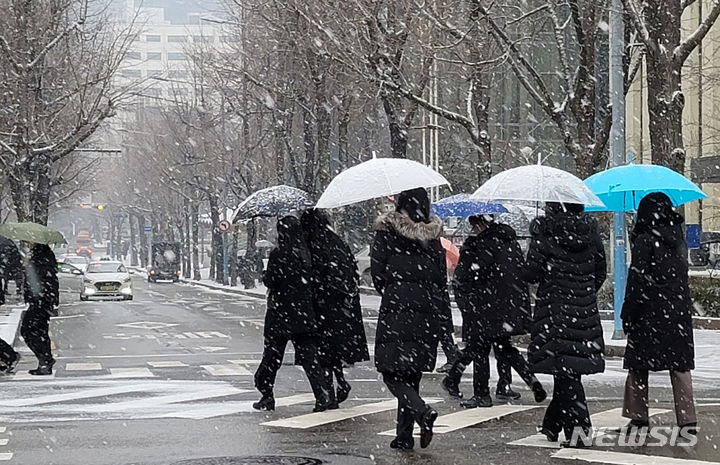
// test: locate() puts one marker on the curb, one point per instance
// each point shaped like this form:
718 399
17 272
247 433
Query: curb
229 290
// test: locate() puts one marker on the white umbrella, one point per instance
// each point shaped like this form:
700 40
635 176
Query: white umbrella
378 177
537 183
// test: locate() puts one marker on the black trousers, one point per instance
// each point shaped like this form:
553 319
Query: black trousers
305 354
568 408
7 353
478 352
35 329
406 388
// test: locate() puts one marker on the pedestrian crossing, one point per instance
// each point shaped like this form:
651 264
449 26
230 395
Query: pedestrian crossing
5 455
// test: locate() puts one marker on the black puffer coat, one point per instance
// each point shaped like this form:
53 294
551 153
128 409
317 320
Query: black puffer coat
489 287
337 299
657 313
41 281
10 259
290 308
408 268
567 260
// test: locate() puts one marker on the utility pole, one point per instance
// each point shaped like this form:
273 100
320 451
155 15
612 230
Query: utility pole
617 150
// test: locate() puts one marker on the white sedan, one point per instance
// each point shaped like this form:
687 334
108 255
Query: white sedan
106 278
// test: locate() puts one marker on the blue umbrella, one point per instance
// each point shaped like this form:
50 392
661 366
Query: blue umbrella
622 188
462 205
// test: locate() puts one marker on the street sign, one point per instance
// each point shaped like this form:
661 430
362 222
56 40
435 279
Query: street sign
224 226
693 236
148 229
120 215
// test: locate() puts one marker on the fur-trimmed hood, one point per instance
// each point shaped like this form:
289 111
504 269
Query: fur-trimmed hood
403 225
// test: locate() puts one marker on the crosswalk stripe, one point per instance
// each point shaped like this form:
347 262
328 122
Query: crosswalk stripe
312 420
226 370
25 376
606 419
83 367
4 441
192 335
5 456
167 364
3 429
244 362
621 458
464 418
85 394
212 410
137 372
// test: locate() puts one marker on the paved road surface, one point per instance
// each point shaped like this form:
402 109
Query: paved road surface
167 378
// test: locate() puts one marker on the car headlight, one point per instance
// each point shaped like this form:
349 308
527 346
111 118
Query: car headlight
126 280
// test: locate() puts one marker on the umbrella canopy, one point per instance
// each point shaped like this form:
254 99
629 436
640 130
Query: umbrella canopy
462 205
622 188
537 183
31 232
276 201
379 177
452 253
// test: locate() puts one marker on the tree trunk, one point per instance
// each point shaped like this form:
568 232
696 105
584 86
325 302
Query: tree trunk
396 125
188 243
133 241
195 236
233 258
250 250
309 144
343 133
665 107
217 239
143 241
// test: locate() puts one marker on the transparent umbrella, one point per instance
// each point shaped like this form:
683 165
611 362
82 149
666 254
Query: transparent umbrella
273 201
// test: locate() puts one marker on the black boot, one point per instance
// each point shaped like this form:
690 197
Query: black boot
426 426
452 388
539 392
551 436
506 393
633 427
343 390
266 402
402 444
476 401
43 369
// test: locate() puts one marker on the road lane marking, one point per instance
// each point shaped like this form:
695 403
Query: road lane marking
191 335
75 395
167 364
25 376
226 370
5 456
4 441
136 372
83 367
607 419
621 458
211 410
465 418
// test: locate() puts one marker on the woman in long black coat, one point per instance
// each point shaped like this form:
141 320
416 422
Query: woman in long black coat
493 298
657 313
337 302
567 259
43 295
409 271
290 316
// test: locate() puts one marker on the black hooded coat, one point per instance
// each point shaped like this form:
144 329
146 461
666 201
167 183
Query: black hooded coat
489 286
10 259
567 260
336 295
409 271
657 313
288 277
41 281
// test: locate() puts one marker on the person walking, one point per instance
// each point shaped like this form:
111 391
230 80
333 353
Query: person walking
42 295
341 332
290 316
408 270
657 313
494 301
566 259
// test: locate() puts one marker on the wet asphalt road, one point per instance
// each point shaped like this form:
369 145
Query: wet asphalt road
167 378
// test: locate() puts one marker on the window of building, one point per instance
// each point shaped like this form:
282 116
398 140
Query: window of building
154 56
178 74
130 73
152 38
177 39
204 39
175 56
134 55
154 72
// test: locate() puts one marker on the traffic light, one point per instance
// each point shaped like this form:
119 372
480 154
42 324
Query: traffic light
101 207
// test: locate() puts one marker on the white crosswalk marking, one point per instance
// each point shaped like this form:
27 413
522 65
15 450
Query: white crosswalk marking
5 456
216 409
620 458
465 418
606 419
83 367
4 441
139 372
167 364
226 370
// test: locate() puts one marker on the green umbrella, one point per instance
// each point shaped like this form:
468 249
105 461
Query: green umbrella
31 232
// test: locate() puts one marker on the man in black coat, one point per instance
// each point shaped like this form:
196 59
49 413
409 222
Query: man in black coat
409 271
10 266
341 332
494 301
42 293
657 312
290 316
567 260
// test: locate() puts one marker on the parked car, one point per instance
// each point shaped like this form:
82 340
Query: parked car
106 278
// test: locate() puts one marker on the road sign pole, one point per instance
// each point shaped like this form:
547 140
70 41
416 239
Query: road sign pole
617 149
